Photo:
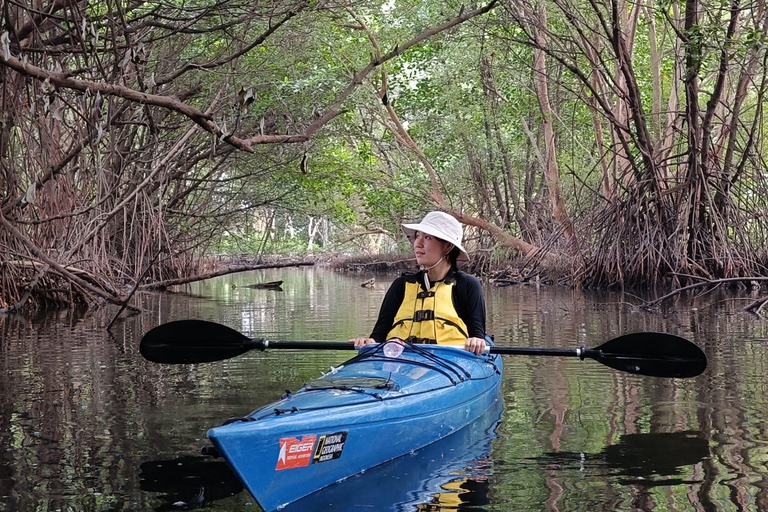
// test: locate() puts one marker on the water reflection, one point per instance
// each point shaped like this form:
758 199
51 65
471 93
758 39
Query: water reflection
464 494
641 458
188 482
81 411
647 460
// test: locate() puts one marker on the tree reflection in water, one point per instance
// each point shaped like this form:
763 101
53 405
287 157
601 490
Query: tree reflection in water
647 460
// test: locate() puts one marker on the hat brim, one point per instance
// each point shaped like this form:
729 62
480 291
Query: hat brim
410 229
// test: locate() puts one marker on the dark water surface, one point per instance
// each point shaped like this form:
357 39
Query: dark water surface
86 424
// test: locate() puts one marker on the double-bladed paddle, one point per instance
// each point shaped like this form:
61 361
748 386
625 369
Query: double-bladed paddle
645 353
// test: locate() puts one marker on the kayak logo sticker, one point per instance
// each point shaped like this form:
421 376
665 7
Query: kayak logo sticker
329 447
295 453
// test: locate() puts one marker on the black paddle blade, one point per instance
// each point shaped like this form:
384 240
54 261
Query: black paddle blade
656 354
193 341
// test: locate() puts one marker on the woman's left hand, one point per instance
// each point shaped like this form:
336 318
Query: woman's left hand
475 345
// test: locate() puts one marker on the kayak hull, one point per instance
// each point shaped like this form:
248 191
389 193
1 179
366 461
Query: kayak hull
371 410
448 472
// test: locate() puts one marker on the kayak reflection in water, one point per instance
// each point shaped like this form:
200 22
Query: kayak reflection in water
439 304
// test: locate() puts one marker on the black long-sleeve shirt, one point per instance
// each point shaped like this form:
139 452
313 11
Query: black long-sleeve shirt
467 299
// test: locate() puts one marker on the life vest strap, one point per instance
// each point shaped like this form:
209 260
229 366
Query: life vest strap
457 326
425 341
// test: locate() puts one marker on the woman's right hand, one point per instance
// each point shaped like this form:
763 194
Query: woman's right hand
360 342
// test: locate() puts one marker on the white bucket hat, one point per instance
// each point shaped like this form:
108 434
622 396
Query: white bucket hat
442 226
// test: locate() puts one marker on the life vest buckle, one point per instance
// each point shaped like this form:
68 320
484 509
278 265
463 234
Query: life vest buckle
422 315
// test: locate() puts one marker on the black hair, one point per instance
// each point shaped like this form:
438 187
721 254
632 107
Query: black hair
453 257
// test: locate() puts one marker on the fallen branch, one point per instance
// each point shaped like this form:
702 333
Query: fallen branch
756 306
36 265
161 285
133 290
705 283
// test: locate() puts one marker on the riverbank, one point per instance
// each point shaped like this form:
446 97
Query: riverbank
502 272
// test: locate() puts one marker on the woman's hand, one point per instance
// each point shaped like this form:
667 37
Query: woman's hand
360 342
475 345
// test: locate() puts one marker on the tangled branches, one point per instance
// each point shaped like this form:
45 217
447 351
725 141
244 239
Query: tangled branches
133 134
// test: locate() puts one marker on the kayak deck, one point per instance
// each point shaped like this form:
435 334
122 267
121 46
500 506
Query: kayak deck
370 410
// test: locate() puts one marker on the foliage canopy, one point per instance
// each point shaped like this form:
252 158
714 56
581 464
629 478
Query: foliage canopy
622 139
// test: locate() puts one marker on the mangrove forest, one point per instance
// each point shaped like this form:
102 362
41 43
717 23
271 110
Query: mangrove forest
614 144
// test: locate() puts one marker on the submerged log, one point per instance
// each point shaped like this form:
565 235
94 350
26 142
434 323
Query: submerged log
272 285
369 283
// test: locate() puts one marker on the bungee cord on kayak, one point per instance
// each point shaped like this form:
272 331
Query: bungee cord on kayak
438 362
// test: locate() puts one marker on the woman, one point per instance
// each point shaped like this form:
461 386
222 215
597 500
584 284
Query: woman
438 304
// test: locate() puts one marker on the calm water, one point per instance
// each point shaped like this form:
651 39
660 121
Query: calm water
86 424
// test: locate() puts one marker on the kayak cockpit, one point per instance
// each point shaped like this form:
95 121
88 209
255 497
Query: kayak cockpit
371 376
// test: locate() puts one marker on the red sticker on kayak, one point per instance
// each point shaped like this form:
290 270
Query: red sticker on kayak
295 453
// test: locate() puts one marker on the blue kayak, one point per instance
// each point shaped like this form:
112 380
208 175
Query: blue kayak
449 471
370 410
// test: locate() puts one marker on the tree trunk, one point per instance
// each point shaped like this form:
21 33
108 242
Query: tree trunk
551 171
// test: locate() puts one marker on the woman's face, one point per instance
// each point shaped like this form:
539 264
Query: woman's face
428 249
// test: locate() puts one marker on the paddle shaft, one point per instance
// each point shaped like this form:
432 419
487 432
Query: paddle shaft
261 344
582 352
312 345
645 353
534 351
685 360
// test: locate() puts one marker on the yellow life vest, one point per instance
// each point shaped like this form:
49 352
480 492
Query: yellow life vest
429 317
